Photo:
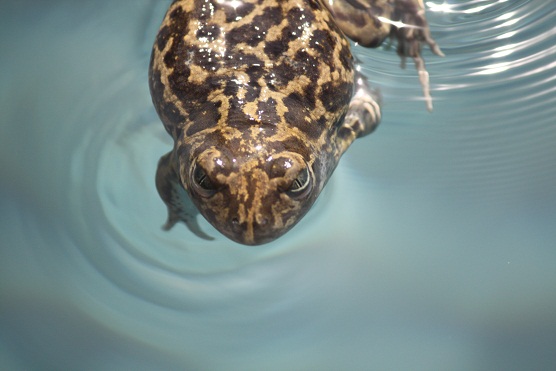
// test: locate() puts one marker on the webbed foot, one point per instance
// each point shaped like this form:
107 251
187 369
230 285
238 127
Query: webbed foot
369 22
364 108
363 114
180 207
411 31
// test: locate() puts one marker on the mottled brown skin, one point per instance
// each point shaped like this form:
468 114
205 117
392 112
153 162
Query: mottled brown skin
262 99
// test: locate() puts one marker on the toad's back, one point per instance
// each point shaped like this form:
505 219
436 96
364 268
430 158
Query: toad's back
281 64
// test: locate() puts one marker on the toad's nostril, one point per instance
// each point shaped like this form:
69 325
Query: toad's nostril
262 222
236 226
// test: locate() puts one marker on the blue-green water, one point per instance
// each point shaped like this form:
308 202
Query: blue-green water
433 247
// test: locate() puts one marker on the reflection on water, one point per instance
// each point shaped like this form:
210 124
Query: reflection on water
431 248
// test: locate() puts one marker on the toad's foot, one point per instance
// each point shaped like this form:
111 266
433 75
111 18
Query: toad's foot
411 30
369 22
363 115
180 207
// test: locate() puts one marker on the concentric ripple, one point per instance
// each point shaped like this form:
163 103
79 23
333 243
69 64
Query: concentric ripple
434 235
494 93
113 196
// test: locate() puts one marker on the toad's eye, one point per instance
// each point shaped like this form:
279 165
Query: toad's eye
202 182
301 185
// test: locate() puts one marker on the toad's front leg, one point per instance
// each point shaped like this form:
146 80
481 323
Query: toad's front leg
369 22
363 115
180 207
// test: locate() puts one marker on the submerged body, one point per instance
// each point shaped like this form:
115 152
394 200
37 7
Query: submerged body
262 99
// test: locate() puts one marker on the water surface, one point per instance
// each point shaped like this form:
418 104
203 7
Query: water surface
433 246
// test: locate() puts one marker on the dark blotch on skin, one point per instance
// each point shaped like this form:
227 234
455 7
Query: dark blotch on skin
255 72
253 91
267 111
179 20
202 57
237 118
202 9
322 42
231 88
303 64
294 144
209 31
306 64
274 49
296 18
247 34
246 61
162 37
345 57
177 28
335 96
193 95
289 33
254 32
271 16
205 118
282 76
298 116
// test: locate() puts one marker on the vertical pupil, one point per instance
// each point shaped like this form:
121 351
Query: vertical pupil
301 181
201 178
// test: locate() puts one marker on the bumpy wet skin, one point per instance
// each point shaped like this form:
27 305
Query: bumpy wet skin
262 100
